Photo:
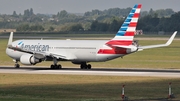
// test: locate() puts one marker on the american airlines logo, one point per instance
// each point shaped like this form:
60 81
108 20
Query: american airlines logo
20 43
37 48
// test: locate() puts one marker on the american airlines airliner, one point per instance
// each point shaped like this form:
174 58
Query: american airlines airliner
31 52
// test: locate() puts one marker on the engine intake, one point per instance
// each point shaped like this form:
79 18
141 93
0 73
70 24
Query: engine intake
29 59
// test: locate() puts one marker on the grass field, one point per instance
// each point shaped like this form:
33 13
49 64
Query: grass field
28 87
31 87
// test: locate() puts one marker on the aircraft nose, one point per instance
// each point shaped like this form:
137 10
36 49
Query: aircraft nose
8 51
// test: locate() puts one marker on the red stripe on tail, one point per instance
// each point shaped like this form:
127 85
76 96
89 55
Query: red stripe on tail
119 42
136 15
139 6
132 24
129 34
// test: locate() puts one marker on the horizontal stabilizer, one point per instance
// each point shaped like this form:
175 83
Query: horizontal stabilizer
122 46
159 45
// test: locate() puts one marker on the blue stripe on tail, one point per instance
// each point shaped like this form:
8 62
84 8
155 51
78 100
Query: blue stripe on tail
126 23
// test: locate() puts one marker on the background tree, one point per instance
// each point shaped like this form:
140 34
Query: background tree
95 20
14 14
51 29
62 14
31 12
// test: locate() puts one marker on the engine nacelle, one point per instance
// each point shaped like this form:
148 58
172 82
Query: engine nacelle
29 59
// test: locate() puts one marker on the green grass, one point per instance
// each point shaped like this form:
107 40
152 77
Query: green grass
31 87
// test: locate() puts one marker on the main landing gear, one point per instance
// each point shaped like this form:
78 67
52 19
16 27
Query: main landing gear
85 66
55 65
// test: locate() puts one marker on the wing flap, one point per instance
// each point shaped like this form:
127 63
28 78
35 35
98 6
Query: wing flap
57 56
66 56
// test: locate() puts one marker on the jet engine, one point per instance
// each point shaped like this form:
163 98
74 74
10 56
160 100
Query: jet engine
29 59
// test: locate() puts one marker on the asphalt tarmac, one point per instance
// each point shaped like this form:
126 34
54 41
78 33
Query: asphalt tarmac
94 71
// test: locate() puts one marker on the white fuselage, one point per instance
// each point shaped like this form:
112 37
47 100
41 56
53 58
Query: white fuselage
71 50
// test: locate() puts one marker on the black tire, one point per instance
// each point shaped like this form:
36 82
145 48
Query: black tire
55 66
16 65
83 66
59 66
52 66
88 66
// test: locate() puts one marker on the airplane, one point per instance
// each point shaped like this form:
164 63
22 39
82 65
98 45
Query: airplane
81 52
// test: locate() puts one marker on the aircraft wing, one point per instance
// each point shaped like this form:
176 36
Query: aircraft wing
159 45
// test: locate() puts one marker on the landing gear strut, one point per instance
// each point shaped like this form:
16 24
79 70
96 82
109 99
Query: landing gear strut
55 66
16 64
85 66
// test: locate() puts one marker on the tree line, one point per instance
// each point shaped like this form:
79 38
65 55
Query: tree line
148 23
101 21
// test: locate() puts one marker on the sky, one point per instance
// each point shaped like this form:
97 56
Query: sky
81 6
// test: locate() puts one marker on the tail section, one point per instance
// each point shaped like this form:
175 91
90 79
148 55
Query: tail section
126 33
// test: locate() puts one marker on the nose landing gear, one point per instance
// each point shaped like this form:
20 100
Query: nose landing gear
16 65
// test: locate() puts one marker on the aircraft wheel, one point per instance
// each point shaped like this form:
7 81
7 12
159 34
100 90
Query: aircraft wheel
83 66
16 65
56 66
52 66
88 66
59 66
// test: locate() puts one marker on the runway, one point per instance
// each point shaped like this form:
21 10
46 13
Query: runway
95 71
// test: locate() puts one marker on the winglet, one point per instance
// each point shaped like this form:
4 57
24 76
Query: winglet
171 38
10 39
140 48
